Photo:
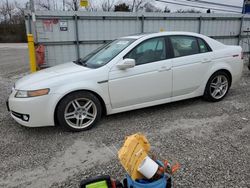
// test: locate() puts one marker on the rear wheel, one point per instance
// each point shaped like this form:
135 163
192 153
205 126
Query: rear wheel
79 111
217 86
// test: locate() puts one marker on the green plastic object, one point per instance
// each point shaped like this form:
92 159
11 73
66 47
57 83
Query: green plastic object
100 184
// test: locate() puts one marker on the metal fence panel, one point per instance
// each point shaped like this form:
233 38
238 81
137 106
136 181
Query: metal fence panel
220 27
230 41
171 25
87 48
57 54
106 29
47 32
69 35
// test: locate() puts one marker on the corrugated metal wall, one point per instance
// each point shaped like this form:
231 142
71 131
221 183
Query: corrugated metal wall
85 31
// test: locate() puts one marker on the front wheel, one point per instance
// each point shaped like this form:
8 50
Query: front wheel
79 111
217 86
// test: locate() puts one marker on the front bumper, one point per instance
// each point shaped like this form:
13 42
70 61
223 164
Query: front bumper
39 110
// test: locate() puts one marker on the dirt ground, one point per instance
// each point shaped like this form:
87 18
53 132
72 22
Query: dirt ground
211 141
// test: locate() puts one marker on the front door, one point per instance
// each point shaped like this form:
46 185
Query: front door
149 80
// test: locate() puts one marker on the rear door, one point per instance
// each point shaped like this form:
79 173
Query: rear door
192 58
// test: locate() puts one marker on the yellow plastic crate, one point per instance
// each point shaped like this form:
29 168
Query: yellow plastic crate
132 153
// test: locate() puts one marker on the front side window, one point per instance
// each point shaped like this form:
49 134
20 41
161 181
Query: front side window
149 51
184 45
106 53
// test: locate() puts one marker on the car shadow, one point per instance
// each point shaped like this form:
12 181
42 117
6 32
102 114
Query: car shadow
157 108
133 114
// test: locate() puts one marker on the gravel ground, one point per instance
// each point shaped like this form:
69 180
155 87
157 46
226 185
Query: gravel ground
211 141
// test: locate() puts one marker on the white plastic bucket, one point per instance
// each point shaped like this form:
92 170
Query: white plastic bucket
148 167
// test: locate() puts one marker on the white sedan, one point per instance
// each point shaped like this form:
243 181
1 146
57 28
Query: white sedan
129 73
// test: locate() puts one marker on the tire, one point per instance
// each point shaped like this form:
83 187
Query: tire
79 111
217 86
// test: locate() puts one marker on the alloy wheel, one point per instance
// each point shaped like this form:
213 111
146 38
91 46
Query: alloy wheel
219 86
80 113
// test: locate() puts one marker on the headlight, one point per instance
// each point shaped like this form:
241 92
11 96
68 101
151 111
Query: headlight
34 93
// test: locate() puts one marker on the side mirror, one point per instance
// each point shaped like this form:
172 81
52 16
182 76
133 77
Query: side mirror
126 63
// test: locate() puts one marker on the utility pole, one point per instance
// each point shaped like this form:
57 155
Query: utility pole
32 6
30 38
33 17
133 5
32 10
63 5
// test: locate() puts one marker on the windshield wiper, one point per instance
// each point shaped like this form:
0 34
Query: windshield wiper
80 62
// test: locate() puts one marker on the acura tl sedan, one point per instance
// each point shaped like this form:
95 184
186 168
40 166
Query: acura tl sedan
128 73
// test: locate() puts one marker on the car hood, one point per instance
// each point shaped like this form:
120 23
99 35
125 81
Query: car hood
49 73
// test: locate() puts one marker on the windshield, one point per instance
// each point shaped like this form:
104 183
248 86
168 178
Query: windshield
105 53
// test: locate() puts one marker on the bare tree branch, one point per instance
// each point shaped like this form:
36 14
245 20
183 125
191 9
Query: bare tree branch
7 11
107 5
44 4
91 7
73 5
21 8
11 13
138 4
149 7
3 12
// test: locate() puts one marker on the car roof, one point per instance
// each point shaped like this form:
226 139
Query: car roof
140 35
214 44
136 36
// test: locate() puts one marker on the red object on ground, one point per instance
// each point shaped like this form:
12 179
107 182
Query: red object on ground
113 184
40 55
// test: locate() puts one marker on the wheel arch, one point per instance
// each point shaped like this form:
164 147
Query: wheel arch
225 71
104 109
207 95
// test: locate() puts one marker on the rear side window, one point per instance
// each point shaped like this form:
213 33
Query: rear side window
203 46
184 45
188 45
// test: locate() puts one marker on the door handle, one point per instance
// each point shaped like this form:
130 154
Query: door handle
206 61
164 68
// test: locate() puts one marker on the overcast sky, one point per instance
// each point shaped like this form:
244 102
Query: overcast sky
227 2
176 7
